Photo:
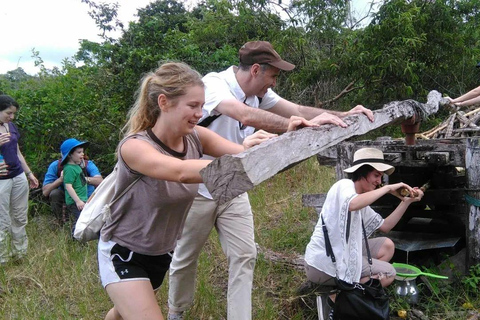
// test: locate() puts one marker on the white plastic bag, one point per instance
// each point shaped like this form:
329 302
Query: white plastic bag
92 217
97 209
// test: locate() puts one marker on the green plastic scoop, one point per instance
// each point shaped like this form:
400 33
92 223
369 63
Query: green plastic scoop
409 271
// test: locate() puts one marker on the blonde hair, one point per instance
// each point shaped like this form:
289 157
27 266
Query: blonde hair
171 79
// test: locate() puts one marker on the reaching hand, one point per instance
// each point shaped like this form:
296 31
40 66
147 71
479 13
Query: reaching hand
361 109
257 138
299 122
397 188
449 99
415 196
326 118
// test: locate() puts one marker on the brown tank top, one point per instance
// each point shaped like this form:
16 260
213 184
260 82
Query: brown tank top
149 218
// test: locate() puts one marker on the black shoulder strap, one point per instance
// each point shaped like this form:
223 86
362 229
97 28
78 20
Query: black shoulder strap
328 245
369 256
347 232
208 120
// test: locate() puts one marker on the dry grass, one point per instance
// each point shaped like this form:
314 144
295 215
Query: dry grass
59 278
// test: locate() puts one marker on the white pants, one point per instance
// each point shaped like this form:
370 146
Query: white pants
234 224
13 216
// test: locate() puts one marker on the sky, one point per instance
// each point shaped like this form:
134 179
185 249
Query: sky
54 28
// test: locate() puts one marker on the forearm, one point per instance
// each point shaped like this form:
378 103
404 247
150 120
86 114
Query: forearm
268 121
276 119
46 189
392 220
467 96
365 199
94 181
190 172
30 176
310 112
287 109
468 102
23 162
160 166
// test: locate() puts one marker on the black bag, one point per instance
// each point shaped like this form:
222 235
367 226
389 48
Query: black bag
358 301
362 301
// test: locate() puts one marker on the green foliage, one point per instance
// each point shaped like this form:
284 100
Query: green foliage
331 20
472 281
54 107
410 48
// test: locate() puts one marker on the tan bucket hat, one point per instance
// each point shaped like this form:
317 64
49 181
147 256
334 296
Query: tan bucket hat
372 157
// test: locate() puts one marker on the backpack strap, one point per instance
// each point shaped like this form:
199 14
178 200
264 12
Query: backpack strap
59 168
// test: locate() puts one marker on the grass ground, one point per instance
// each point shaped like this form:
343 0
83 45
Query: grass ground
59 278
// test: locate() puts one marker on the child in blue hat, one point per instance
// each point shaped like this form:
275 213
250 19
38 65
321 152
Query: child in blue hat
74 179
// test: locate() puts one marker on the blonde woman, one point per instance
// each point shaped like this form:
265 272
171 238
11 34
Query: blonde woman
162 145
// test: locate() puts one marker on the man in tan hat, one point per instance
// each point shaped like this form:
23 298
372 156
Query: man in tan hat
237 101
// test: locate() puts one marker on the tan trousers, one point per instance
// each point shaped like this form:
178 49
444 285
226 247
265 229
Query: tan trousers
13 216
234 224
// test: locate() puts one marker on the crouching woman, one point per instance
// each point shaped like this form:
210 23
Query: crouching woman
347 204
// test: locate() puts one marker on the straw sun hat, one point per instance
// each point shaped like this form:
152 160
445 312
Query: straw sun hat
372 157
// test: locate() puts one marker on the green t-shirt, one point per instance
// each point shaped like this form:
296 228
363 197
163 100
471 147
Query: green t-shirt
73 174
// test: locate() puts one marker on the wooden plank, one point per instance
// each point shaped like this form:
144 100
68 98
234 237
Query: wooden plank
231 175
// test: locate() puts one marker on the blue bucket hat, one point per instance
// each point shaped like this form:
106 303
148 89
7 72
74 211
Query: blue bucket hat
70 144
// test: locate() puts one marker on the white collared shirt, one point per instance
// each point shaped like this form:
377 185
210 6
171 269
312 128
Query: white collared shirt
221 86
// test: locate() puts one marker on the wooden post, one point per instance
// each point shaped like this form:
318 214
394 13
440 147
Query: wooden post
345 151
472 166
